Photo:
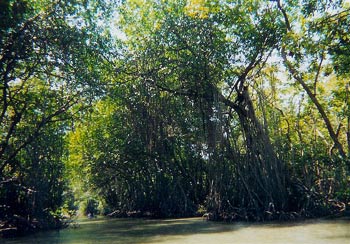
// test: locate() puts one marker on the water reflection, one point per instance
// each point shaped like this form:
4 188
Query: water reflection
194 230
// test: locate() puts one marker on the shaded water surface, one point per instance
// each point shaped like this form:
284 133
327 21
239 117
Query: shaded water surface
194 230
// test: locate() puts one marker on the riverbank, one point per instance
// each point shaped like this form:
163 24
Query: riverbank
18 226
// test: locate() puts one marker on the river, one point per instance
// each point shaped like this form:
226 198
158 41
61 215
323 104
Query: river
193 230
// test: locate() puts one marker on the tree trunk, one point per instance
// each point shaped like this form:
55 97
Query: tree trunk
262 170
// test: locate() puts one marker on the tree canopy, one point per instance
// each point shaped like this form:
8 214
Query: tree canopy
238 109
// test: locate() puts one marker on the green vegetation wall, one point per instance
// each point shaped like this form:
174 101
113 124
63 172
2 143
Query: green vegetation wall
47 51
238 107
170 108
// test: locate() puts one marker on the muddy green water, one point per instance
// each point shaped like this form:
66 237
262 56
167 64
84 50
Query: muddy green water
194 230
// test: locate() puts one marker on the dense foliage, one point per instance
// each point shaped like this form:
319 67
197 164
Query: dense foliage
236 109
50 58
